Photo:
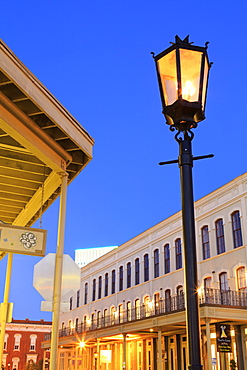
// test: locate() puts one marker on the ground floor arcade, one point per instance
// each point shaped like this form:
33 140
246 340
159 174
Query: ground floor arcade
154 343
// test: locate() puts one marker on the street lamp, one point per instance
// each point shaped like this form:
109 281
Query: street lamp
182 72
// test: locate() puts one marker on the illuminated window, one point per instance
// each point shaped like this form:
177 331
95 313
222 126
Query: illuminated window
220 239
236 229
146 267
121 278
76 324
128 308
137 309
105 316
98 319
205 243
128 275
241 278
207 282
33 338
137 271
157 303
167 258
178 249
15 363
156 264
120 313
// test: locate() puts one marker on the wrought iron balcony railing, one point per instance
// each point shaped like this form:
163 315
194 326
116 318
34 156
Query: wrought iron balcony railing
170 305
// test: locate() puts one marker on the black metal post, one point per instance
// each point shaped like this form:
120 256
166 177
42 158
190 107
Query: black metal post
185 161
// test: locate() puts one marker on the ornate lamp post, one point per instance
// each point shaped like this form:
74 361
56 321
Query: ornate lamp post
182 72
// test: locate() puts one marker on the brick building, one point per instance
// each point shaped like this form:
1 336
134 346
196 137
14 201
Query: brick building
23 343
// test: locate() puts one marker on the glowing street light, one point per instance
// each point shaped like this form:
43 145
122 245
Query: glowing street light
182 72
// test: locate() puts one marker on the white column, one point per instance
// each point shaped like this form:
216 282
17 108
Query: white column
58 272
209 354
159 359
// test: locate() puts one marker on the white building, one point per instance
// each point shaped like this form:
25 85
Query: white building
131 303
87 255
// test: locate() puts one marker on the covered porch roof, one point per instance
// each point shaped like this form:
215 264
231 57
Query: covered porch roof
39 141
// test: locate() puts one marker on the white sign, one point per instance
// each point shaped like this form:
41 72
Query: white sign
43 277
105 356
24 240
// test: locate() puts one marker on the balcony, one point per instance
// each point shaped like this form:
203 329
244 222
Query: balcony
208 296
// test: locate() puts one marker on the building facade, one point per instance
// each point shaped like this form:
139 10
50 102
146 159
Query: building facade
22 343
130 310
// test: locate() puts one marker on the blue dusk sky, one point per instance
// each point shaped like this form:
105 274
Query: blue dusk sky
94 57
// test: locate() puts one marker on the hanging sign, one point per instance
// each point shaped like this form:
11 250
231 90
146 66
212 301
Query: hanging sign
223 338
105 356
23 240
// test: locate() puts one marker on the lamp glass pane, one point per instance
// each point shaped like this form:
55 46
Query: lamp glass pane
205 81
168 76
190 62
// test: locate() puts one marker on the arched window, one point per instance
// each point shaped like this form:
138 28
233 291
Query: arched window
6 336
71 303
85 321
113 281
76 324
178 249
223 281
120 278
208 282
168 300
106 284
98 320
120 313
137 271
137 309
167 258
156 263
205 242
220 238
33 338
94 290
15 363
105 313
146 267
128 308
105 316
156 303
180 297
86 293
100 287
241 278
236 229
128 274
113 313
78 298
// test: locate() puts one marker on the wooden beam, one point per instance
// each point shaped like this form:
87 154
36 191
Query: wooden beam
23 130
50 186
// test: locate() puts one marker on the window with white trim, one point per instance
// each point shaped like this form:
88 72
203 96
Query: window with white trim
33 339
17 342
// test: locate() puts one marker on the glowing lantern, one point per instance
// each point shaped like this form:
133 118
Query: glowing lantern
182 71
